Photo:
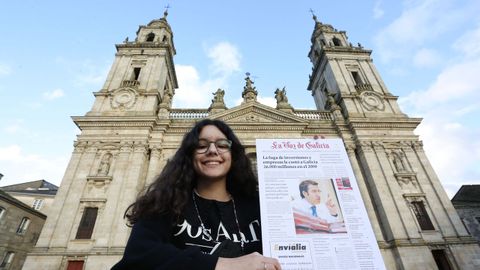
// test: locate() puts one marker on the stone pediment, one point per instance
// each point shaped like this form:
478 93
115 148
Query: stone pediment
255 112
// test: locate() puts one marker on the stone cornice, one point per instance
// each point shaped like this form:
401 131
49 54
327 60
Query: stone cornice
387 123
106 93
116 121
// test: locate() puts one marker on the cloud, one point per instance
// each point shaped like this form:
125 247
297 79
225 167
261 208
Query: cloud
14 127
458 83
378 12
13 161
225 58
192 92
450 107
418 24
196 92
54 94
469 43
426 58
5 70
442 136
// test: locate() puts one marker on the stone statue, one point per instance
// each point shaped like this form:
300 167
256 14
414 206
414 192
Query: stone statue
249 93
218 104
282 100
104 166
399 162
281 95
218 96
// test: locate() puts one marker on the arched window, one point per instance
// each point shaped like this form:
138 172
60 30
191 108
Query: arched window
150 37
336 41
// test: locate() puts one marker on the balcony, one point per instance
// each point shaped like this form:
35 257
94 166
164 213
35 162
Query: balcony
130 83
363 87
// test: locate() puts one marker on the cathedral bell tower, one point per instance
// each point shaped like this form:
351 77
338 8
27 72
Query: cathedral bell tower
345 73
117 151
142 79
414 222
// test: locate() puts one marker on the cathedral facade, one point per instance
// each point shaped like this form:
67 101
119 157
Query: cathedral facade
132 129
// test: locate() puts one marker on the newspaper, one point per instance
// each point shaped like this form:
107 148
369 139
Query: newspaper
313 216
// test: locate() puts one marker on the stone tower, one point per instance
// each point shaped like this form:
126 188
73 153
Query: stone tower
132 130
112 155
414 222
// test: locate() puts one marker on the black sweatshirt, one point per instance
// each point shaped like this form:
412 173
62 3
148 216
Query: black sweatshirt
158 243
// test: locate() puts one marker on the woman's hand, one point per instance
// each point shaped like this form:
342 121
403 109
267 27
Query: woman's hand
252 261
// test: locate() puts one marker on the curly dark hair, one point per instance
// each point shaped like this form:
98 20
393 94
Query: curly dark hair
171 190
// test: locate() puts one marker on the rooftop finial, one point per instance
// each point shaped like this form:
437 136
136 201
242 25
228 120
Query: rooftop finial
165 13
313 14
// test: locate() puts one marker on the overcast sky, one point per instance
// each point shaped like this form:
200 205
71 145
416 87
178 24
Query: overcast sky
54 54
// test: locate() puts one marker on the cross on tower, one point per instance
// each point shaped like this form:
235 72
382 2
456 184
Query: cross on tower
165 13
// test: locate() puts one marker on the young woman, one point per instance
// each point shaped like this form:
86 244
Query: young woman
202 211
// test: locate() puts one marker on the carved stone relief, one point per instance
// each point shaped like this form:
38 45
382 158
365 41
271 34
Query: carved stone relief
372 101
406 178
123 98
104 166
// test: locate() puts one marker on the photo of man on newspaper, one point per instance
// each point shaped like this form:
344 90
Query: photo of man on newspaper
316 210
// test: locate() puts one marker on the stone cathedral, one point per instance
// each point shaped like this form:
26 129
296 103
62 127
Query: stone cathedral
132 129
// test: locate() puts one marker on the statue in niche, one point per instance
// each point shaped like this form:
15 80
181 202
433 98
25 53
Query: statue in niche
399 162
104 166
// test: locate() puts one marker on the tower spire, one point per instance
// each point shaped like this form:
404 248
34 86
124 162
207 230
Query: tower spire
313 15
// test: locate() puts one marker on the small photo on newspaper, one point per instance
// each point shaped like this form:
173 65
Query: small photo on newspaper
315 207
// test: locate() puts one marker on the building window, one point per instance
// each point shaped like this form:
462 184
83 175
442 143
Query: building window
441 259
136 73
336 41
85 228
150 37
75 265
2 212
37 204
22 228
356 78
7 260
422 216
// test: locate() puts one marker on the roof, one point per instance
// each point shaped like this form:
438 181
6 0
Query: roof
33 187
467 193
4 196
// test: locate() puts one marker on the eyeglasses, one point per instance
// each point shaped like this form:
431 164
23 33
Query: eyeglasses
222 146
